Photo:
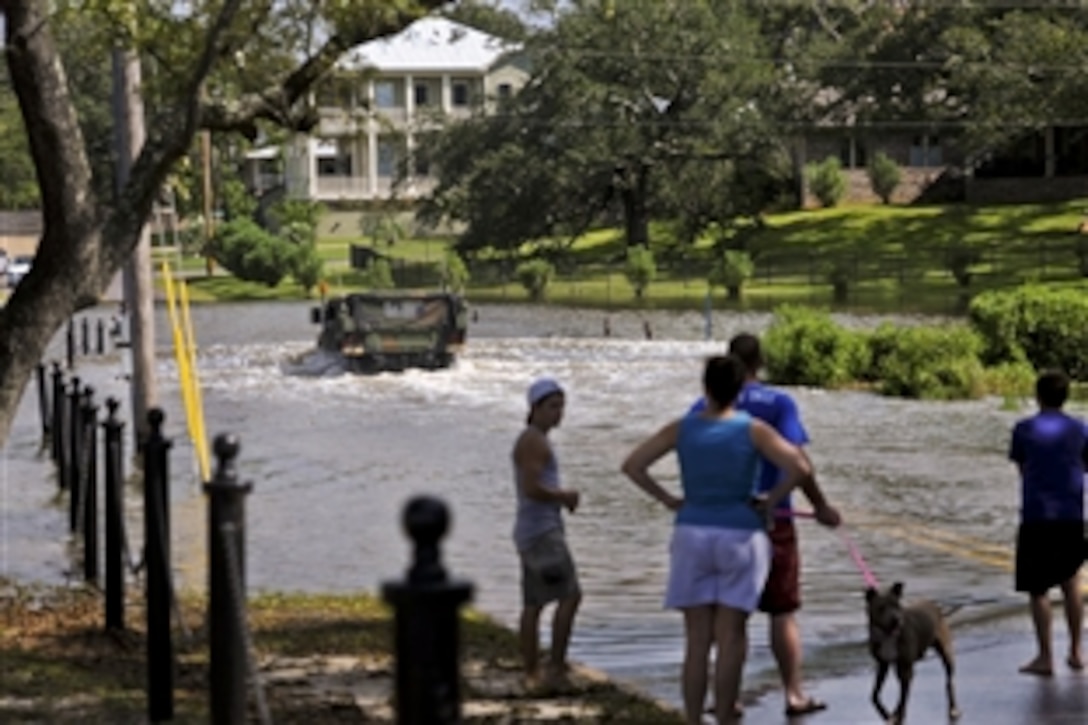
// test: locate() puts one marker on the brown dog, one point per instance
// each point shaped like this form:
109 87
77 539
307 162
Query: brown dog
900 635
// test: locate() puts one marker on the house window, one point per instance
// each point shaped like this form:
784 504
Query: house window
504 91
460 94
387 157
422 95
385 94
926 151
421 165
853 154
339 165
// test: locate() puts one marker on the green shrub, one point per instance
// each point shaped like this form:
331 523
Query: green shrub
640 270
455 274
379 274
1012 380
733 269
535 276
1046 327
805 347
933 363
880 343
307 266
884 176
826 181
250 253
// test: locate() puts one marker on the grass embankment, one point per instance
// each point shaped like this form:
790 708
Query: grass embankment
319 655
896 259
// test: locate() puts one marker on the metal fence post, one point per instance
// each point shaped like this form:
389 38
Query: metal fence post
70 344
75 426
160 646
43 405
90 492
57 418
227 585
115 511
426 624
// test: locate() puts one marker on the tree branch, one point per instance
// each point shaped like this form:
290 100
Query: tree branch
278 102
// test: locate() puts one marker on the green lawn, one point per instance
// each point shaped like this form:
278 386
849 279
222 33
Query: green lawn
896 259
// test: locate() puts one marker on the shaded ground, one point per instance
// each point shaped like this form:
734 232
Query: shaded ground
322 659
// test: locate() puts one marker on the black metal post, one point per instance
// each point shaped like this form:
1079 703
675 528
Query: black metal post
70 344
160 646
90 491
85 327
43 404
75 428
57 420
100 337
426 625
115 511
227 585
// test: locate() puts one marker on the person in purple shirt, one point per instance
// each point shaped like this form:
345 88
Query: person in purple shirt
782 594
1051 451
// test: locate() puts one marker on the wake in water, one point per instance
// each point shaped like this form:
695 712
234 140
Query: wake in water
314 363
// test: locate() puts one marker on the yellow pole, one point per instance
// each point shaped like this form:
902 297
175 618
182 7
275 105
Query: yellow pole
182 358
201 441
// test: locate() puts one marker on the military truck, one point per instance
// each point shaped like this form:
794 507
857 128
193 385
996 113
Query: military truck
380 331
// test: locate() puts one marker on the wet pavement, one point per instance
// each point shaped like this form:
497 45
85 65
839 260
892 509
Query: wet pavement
989 688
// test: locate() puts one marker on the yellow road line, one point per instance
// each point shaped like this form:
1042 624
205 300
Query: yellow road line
957 545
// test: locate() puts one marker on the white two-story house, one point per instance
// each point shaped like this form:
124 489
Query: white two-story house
381 100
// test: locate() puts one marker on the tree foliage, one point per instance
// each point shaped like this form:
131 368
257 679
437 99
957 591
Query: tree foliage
621 103
229 66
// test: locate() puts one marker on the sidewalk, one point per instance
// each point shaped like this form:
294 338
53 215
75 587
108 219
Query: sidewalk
989 689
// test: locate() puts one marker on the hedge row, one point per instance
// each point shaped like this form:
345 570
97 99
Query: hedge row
806 347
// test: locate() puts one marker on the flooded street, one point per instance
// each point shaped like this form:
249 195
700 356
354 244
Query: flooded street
926 490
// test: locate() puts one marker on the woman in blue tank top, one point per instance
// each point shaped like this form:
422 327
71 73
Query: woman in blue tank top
720 553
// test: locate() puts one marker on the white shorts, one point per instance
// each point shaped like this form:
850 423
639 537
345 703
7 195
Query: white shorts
710 565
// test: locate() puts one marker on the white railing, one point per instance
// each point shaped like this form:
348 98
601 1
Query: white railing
342 187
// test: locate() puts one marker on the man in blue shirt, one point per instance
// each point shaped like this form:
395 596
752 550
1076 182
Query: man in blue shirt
782 594
1051 451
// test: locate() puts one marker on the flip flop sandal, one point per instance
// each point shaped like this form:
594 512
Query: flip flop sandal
806 708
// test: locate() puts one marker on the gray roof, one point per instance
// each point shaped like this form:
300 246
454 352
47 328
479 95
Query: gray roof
433 44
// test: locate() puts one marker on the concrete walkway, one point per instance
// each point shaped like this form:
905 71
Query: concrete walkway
989 689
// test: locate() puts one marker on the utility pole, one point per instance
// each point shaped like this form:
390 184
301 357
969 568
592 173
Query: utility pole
209 221
129 136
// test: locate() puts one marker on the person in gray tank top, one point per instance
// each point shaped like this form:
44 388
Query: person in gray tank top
548 573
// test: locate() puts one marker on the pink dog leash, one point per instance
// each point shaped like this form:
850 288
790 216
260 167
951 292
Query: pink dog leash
859 561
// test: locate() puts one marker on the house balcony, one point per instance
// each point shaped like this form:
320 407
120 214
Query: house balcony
359 188
329 188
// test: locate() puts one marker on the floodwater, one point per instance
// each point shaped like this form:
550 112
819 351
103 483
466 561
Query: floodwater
925 487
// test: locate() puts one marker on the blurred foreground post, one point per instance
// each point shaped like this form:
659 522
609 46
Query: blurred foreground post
426 625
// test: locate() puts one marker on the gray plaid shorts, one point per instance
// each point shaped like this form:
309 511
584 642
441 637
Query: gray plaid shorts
548 573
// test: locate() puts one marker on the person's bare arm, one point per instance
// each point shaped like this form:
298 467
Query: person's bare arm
531 456
637 464
825 513
787 457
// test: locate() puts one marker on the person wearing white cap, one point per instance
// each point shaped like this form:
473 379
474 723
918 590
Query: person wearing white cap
548 573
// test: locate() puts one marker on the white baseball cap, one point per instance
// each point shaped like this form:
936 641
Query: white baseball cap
542 388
